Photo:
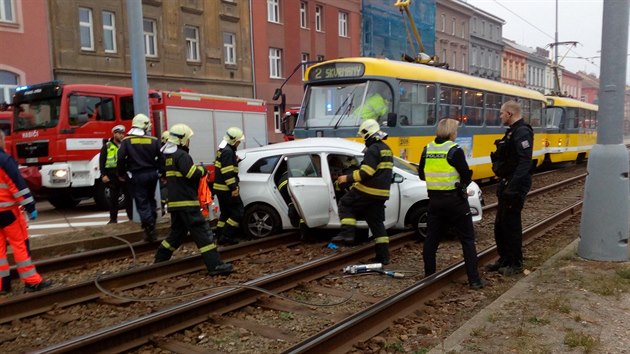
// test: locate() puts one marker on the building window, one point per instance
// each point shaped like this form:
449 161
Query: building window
463 29
229 48
318 18
443 23
343 24
150 38
273 11
320 58
275 63
454 60
464 63
7 11
303 15
191 33
8 84
473 57
109 32
444 54
304 59
86 29
453 26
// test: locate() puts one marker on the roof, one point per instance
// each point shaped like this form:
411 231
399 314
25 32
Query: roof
309 143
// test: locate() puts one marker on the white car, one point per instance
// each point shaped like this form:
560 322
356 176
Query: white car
310 165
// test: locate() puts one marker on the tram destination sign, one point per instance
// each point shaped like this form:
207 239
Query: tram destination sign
336 71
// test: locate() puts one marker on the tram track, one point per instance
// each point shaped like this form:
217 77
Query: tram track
335 266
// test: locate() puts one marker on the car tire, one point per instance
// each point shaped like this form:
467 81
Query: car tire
66 202
261 220
417 218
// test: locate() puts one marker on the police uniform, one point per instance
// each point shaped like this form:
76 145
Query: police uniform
444 168
371 185
225 183
108 166
512 163
14 194
183 204
139 159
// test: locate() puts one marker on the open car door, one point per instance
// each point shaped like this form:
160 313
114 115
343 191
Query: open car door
312 199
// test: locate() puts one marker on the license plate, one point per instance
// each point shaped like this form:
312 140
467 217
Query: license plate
32 160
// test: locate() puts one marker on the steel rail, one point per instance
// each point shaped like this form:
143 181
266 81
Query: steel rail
366 324
141 330
45 300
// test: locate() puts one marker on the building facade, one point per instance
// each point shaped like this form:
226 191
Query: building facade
287 33
537 60
452 33
571 85
198 45
486 44
514 64
24 49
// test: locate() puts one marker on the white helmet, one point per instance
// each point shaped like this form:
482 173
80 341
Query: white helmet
368 128
180 134
233 134
141 121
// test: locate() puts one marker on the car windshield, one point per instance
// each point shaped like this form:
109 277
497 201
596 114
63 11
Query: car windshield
405 166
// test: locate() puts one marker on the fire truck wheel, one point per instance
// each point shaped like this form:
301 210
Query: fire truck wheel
63 202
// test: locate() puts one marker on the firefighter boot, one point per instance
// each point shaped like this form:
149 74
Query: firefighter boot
162 254
346 235
150 235
215 265
382 253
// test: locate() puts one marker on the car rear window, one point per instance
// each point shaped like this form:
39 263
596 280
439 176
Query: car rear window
264 165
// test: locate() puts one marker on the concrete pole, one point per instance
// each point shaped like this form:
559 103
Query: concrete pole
604 227
138 62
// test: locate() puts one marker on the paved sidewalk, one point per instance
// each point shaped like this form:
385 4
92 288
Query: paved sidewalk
568 305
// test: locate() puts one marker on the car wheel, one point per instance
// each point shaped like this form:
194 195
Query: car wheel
417 218
261 220
60 202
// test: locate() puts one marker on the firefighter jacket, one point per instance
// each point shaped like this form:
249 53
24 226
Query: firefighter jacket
226 170
109 157
182 180
443 166
13 189
139 154
512 160
374 177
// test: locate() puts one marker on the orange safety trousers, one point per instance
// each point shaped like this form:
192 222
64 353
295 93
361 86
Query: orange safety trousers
16 234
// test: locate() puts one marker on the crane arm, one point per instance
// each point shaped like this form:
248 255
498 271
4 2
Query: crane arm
404 5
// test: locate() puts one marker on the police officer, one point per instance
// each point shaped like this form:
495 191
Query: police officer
109 176
226 187
14 194
140 161
512 164
183 204
371 184
444 168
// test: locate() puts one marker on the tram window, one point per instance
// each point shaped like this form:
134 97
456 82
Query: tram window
536 114
572 118
450 103
473 106
493 108
553 116
526 111
417 104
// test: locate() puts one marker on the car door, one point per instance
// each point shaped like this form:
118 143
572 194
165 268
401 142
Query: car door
392 205
308 189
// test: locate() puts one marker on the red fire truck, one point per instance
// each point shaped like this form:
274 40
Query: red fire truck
5 125
59 129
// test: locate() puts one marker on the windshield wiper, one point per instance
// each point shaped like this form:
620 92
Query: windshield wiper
347 107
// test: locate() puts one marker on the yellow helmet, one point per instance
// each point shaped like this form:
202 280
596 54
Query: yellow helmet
180 134
141 121
368 128
233 134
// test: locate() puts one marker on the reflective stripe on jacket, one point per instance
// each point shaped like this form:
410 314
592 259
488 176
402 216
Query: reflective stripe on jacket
13 189
440 175
226 170
182 177
374 177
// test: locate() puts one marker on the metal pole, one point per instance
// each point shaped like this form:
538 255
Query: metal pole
138 63
604 227
557 65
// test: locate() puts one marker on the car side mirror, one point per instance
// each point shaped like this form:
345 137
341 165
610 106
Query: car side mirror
396 178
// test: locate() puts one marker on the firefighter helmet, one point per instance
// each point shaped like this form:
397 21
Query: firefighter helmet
368 128
141 121
233 135
180 134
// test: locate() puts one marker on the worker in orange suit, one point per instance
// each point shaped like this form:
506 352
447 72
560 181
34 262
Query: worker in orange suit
14 194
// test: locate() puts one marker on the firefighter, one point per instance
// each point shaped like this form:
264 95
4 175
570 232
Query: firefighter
141 162
14 194
371 184
444 168
374 107
226 188
183 204
292 212
107 164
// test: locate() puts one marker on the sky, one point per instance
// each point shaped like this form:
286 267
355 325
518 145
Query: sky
533 23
